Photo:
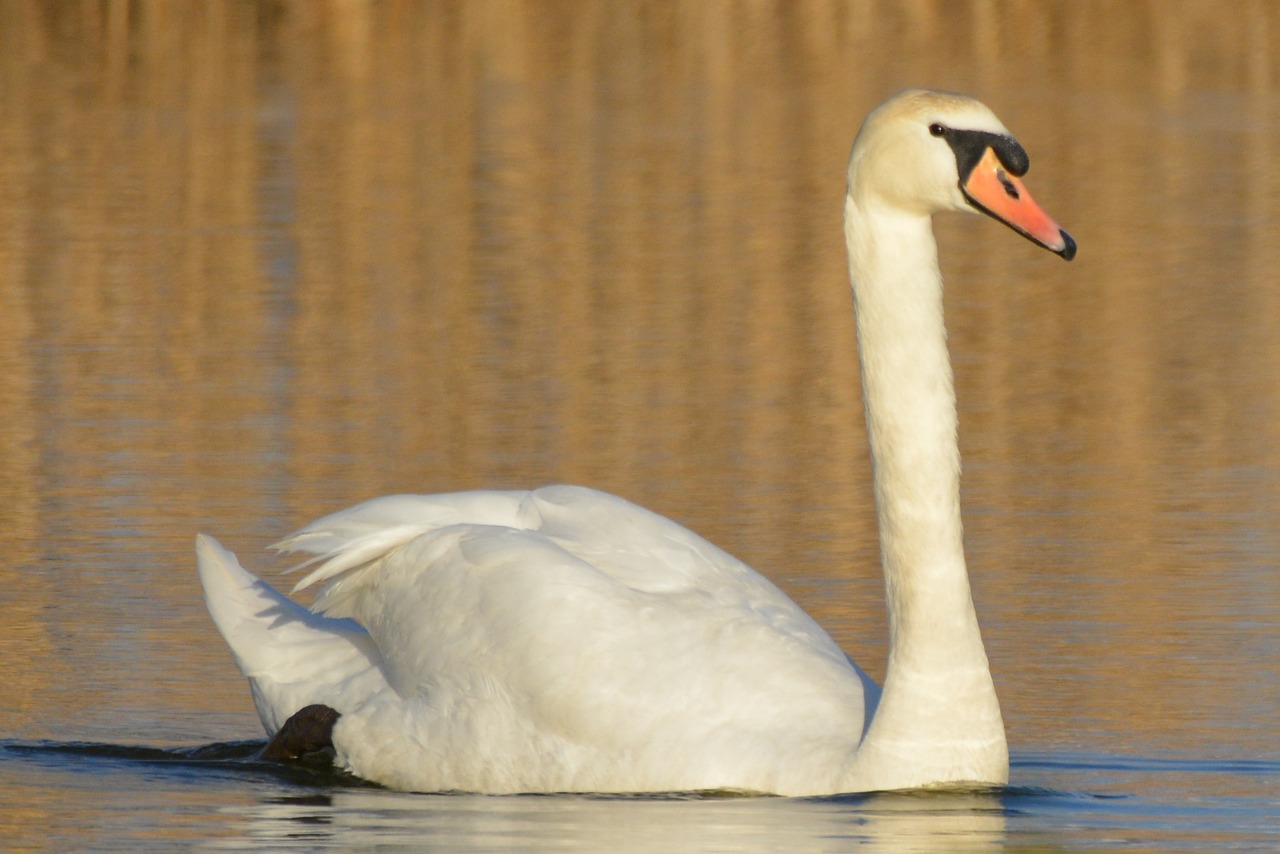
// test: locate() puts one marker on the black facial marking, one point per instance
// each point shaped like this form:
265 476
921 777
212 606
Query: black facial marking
969 146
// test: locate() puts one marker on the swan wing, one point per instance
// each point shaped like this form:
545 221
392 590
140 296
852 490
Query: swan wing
565 639
637 550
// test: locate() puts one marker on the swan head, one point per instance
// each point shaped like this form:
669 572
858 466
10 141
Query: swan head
922 152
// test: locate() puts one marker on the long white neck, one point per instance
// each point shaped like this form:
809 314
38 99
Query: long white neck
938 719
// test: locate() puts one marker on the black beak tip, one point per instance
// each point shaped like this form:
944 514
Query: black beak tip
1068 246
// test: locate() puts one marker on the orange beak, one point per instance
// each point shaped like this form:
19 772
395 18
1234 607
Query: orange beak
992 189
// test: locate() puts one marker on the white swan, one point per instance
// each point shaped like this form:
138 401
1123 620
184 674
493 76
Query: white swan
565 640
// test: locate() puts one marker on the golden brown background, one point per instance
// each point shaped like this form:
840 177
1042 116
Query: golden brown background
259 261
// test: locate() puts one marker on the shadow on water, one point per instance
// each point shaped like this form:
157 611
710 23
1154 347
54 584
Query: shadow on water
232 757
243 756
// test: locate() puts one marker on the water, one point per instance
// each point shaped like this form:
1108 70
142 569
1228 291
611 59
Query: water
259 262
225 800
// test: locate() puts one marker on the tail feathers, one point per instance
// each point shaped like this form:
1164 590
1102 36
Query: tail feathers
337 555
356 537
291 657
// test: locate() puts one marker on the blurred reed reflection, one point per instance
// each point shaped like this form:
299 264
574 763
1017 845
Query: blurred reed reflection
260 261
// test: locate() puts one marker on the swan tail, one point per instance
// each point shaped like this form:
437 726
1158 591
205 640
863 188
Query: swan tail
291 656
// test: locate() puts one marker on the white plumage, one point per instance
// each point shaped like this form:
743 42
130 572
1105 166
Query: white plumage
563 639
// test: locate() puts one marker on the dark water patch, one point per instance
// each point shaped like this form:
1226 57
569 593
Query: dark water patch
1163 803
232 757
217 752
1141 764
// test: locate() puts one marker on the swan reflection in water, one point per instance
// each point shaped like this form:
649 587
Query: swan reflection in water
883 822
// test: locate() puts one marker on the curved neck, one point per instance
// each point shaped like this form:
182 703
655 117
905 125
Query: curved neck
938 696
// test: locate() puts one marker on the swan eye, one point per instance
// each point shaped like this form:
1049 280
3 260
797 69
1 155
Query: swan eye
937 129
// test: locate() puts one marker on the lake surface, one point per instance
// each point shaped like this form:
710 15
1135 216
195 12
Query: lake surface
259 262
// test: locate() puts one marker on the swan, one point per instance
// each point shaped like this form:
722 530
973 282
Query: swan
565 640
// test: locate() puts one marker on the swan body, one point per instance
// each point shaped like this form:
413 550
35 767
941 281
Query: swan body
563 639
